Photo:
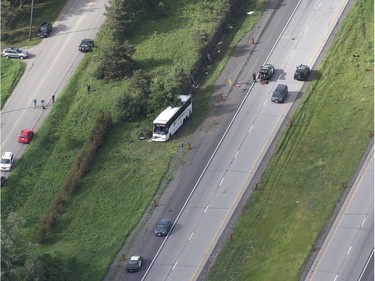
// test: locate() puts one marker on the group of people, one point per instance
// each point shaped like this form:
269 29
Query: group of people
42 102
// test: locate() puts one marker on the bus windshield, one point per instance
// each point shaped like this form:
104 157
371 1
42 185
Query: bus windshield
160 129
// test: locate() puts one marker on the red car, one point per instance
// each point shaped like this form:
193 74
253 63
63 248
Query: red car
26 136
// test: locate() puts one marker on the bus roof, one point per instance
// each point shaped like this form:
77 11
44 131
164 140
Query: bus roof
167 113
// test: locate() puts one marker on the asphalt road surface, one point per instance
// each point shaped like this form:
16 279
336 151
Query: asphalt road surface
290 34
347 251
49 67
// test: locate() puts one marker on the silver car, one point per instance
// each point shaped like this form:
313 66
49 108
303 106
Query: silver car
15 53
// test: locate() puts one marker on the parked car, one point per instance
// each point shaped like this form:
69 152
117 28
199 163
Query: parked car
302 71
26 136
15 53
266 72
280 93
86 45
6 161
163 227
44 30
134 264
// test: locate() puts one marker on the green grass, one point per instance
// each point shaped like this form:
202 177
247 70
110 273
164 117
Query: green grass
126 172
11 73
273 236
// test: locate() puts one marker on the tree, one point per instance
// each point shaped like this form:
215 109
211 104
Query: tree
165 88
121 16
13 247
6 16
115 60
132 105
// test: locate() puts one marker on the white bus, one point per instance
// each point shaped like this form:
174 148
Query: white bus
171 119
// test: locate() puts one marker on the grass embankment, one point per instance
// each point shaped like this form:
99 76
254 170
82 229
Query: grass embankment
322 149
11 73
126 172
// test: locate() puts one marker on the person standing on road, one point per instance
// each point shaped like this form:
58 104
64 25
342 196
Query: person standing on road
34 103
53 98
43 107
229 82
254 77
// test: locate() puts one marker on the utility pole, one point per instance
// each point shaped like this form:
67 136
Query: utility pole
31 18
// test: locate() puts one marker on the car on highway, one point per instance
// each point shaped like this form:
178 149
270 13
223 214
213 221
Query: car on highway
134 264
266 72
280 93
44 30
302 71
14 53
163 227
26 136
86 45
6 161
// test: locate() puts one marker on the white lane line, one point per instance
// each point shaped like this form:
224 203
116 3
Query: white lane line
336 277
350 248
264 102
236 155
251 128
291 55
205 210
191 235
174 265
221 181
363 222
279 77
307 27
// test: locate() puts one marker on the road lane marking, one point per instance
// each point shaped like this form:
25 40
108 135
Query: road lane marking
221 181
350 248
291 55
205 210
363 222
191 235
307 27
174 265
236 154
335 277
265 102
42 81
251 128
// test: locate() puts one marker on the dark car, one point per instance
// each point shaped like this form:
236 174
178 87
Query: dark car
134 264
266 72
26 136
163 227
86 45
15 53
302 71
44 30
280 93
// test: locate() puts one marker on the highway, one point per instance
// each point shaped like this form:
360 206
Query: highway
348 249
294 33
49 67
